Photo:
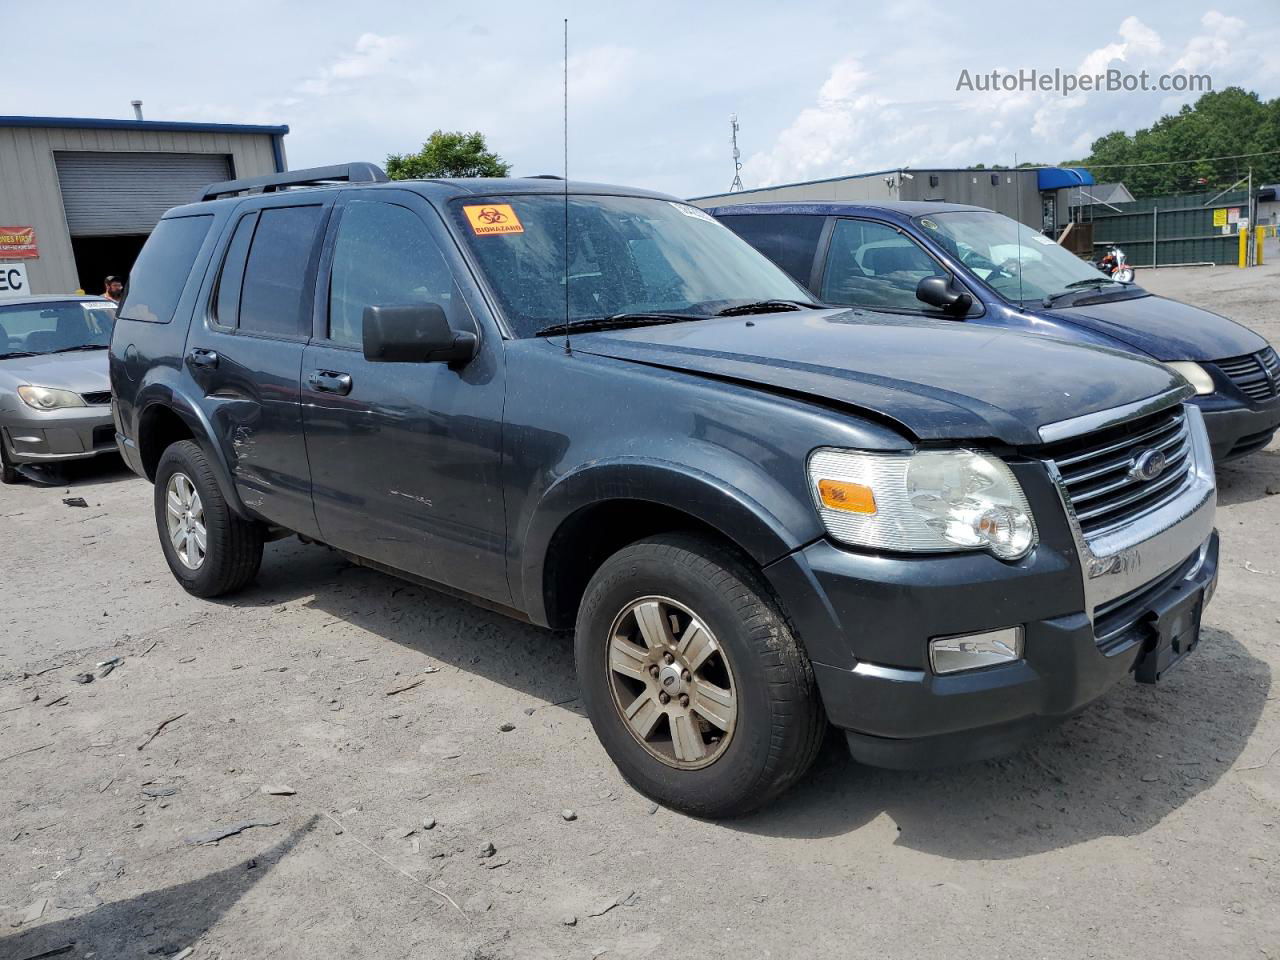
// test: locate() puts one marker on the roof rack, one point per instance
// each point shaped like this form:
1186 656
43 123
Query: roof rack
339 173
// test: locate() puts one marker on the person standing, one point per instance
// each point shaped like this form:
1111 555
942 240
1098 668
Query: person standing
113 288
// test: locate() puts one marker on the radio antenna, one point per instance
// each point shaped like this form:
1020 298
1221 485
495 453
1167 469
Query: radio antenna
567 347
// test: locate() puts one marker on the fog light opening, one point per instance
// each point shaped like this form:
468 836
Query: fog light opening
973 651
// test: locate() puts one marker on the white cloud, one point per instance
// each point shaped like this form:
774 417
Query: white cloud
862 117
373 55
1213 47
824 136
1137 42
873 88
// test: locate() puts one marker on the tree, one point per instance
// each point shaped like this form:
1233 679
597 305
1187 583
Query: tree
1226 123
453 154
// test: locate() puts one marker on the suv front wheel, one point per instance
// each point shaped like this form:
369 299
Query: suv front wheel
210 550
693 680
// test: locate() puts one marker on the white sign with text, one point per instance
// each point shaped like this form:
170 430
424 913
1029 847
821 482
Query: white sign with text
13 280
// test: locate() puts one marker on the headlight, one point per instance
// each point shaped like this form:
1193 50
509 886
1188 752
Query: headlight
47 398
1194 374
931 500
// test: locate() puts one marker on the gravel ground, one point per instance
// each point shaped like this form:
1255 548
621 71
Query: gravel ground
1148 826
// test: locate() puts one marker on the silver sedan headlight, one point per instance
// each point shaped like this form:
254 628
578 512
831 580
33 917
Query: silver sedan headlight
48 398
927 501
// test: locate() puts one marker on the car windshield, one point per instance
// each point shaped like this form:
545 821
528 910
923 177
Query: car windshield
627 255
995 248
36 328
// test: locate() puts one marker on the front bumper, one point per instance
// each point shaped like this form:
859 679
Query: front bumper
1092 611
911 718
56 435
1236 429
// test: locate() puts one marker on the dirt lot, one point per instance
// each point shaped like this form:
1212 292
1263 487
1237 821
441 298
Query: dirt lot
1149 826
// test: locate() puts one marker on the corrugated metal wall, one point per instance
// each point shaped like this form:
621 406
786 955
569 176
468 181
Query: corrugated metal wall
30 193
1183 227
868 188
105 194
1015 192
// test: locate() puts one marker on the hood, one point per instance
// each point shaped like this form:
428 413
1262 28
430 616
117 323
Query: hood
1165 329
934 379
84 372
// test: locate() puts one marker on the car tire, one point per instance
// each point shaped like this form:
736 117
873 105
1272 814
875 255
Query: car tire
660 589
8 472
232 547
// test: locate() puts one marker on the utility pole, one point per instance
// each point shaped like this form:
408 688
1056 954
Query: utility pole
736 186
1248 209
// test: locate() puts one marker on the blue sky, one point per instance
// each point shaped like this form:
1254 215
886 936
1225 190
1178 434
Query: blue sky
821 89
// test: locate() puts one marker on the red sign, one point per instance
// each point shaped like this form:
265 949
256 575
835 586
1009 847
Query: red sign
18 243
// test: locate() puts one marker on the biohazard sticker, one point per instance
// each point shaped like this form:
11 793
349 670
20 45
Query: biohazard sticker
493 218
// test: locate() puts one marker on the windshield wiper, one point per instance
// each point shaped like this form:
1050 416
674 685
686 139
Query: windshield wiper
616 321
17 353
1097 283
765 306
82 346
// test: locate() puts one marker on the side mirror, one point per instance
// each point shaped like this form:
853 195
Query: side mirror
945 294
414 333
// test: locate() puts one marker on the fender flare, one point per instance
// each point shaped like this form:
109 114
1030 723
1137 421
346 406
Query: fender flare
738 517
164 395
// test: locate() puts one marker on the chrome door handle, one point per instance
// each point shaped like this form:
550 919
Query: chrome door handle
330 381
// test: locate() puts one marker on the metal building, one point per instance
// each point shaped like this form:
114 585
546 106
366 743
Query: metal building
1028 194
79 196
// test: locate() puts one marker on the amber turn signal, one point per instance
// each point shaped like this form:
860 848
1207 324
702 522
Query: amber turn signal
846 496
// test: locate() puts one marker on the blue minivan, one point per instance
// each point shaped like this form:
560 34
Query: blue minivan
973 265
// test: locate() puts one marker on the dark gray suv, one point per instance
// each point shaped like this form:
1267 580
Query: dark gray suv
758 514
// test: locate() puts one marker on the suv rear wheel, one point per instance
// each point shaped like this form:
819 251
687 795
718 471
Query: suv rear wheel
210 550
693 680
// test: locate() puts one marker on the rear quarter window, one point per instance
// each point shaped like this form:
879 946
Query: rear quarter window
789 240
160 273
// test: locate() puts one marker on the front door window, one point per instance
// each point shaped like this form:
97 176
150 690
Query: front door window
873 265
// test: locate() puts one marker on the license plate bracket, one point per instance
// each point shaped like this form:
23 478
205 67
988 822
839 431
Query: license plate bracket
1173 631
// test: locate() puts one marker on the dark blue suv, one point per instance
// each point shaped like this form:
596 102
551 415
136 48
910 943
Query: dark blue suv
994 271
596 408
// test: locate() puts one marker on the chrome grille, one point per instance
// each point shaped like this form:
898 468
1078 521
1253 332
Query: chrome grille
1099 469
96 399
1256 374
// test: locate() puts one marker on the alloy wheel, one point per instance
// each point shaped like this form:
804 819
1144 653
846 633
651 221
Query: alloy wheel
184 517
672 683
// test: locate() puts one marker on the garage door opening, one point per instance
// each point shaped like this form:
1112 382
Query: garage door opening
113 200
101 257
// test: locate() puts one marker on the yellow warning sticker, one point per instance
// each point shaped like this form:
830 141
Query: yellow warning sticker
493 218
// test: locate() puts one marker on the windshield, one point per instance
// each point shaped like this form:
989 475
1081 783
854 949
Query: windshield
992 246
35 328
626 255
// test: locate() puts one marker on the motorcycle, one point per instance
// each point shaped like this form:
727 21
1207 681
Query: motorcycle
1115 265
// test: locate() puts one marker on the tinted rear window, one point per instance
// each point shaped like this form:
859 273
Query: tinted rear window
272 298
228 298
789 240
160 273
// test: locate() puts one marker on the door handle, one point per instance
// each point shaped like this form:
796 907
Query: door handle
329 381
202 358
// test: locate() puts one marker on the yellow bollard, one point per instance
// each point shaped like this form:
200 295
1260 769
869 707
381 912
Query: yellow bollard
1244 249
1257 259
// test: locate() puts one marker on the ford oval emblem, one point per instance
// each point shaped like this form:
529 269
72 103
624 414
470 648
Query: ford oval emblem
1148 465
